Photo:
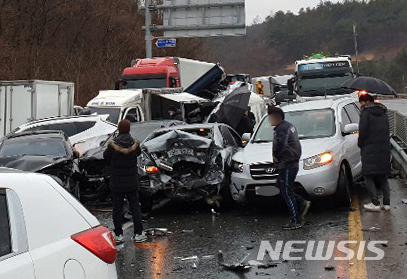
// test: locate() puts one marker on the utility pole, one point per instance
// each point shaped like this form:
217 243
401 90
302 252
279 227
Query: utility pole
355 35
149 37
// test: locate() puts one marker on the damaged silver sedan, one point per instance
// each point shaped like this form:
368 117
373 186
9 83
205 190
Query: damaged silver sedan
188 163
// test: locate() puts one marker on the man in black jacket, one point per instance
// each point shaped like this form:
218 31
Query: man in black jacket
374 142
286 155
121 154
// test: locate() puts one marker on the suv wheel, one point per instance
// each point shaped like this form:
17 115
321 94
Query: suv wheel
342 197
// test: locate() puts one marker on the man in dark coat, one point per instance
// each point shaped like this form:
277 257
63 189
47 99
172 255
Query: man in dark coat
245 125
374 142
286 156
175 113
121 154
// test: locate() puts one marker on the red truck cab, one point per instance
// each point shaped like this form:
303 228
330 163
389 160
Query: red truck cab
159 72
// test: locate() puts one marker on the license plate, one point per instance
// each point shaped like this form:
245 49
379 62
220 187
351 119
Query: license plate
267 191
181 151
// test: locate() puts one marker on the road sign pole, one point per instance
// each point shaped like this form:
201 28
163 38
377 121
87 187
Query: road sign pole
149 38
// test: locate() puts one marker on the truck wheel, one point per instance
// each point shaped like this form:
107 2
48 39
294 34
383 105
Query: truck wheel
342 197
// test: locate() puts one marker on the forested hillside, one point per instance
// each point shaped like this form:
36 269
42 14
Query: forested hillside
88 42
285 37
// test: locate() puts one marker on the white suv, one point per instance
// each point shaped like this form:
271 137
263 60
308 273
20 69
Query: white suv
45 233
330 158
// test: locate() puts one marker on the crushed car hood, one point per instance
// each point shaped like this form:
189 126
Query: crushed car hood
93 154
262 152
29 162
169 140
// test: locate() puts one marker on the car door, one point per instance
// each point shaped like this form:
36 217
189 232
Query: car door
353 113
230 144
15 261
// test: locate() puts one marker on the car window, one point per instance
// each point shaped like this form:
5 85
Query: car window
133 115
317 123
83 126
236 138
345 118
265 132
5 238
37 128
34 147
353 113
69 129
227 136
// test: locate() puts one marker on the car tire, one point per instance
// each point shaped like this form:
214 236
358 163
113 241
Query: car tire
227 199
342 197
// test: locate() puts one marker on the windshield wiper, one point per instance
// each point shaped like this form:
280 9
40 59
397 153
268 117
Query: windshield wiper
312 93
261 141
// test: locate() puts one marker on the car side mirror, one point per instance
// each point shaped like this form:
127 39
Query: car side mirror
350 129
246 138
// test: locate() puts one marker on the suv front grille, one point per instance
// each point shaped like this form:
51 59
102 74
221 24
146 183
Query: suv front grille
264 171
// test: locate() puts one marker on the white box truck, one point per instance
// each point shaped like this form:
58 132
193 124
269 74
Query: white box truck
142 104
26 100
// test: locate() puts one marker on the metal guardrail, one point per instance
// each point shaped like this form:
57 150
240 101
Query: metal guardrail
398 131
398 127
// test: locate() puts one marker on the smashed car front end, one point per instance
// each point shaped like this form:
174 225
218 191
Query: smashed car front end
180 165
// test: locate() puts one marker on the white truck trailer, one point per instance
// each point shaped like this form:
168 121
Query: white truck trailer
142 104
27 100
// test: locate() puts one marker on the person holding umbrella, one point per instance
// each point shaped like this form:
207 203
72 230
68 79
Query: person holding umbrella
374 142
374 138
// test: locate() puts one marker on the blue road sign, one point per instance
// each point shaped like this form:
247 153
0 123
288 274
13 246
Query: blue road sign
161 43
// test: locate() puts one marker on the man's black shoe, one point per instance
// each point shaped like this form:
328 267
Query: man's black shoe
291 226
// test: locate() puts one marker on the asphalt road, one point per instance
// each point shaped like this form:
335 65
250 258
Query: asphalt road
239 232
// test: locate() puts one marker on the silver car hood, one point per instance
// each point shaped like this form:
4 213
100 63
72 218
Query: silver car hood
262 152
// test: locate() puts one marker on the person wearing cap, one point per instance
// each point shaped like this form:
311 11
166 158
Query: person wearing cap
374 143
121 155
175 113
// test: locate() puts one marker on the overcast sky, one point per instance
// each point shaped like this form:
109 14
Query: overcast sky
263 8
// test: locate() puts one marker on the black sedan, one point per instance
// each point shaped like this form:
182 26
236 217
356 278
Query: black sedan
48 152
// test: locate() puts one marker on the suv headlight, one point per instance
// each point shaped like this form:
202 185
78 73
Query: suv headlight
237 166
318 160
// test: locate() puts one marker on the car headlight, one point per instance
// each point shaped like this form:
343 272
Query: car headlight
318 160
237 166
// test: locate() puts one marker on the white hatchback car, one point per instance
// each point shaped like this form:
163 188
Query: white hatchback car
45 233
330 159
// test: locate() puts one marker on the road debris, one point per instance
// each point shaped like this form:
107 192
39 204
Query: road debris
190 259
237 266
371 229
404 201
329 268
157 231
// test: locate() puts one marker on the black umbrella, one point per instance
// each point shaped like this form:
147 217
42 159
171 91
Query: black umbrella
370 85
233 106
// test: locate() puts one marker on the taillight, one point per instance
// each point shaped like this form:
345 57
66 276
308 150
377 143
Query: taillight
98 240
152 169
